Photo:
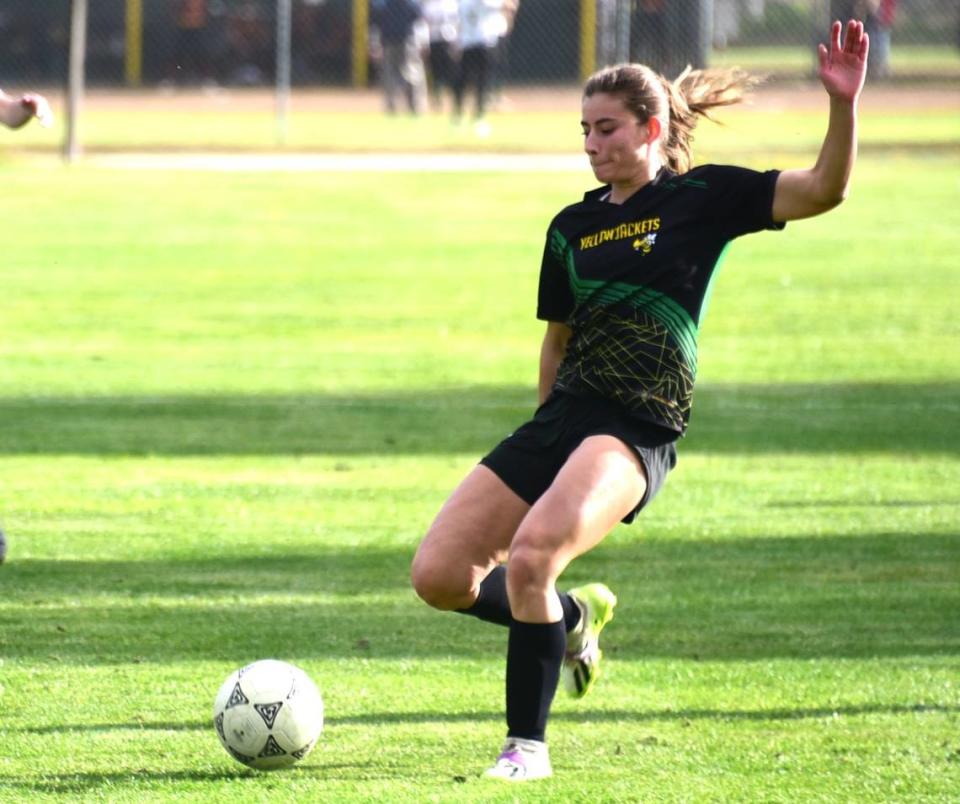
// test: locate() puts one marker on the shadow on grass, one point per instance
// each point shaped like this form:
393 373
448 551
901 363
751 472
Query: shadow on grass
803 597
914 418
591 715
586 715
79 783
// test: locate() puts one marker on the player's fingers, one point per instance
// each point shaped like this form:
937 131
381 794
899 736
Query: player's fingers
45 116
38 105
823 56
835 36
854 36
864 47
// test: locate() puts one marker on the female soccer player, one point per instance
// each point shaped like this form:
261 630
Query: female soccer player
623 281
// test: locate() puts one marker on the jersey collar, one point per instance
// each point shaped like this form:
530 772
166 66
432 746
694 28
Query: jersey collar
600 194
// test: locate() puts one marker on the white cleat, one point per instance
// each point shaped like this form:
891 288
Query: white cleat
521 761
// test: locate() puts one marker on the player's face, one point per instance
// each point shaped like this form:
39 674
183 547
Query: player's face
618 144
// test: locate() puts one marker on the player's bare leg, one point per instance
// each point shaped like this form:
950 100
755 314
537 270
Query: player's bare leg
469 537
602 481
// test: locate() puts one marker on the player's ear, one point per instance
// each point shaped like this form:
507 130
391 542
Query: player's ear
654 129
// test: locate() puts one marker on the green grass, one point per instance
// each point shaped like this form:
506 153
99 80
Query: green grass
942 61
236 123
231 403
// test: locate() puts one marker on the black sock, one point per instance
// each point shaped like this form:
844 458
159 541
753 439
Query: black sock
493 606
571 611
534 655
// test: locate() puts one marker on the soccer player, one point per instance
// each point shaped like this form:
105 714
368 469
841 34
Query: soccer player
17 112
623 281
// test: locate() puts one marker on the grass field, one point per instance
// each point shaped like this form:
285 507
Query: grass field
230 403
905 60
779 118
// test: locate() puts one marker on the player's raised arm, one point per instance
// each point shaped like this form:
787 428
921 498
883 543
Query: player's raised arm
842 69
16 112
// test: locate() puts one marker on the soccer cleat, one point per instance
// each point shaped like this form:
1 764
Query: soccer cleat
520 761
581 664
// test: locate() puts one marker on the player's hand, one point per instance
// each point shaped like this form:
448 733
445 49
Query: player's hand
843 67
38 107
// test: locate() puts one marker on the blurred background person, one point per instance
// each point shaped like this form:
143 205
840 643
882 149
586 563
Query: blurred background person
481 25
879 24
401 64
442 17
190 19
648 34
319 32
501 64
877 17
250 42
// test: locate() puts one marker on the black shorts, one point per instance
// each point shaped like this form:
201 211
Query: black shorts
529 459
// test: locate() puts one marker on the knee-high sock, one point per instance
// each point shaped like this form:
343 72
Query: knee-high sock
534 655
493 606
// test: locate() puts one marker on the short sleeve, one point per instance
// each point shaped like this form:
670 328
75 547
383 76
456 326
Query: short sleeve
555 299
743 199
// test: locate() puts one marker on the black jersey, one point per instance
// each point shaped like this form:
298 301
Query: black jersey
632 280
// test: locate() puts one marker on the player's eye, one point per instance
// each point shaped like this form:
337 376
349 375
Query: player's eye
602 130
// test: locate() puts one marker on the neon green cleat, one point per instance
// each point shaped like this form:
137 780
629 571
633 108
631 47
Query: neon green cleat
581 665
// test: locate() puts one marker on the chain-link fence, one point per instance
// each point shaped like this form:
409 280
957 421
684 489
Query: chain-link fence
234 42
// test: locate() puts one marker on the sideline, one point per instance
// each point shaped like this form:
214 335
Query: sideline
343 163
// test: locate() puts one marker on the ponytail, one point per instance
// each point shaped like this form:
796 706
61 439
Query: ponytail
692 95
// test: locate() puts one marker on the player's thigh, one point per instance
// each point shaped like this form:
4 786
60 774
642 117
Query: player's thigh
469 536
600 483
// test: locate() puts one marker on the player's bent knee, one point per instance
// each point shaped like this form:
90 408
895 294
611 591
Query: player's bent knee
440 586
536 558
531 566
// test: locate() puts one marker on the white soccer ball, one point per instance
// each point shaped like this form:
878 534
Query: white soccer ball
268 714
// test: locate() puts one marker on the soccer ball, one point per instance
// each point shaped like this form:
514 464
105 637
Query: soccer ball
268 714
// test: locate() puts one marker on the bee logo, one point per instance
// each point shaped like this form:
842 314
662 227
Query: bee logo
645 244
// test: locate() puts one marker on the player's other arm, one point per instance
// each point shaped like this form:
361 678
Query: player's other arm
16 112
842 69
552 350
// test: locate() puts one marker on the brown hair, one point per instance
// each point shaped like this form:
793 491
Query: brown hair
676 104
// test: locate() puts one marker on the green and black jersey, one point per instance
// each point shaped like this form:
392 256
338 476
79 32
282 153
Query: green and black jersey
632 281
